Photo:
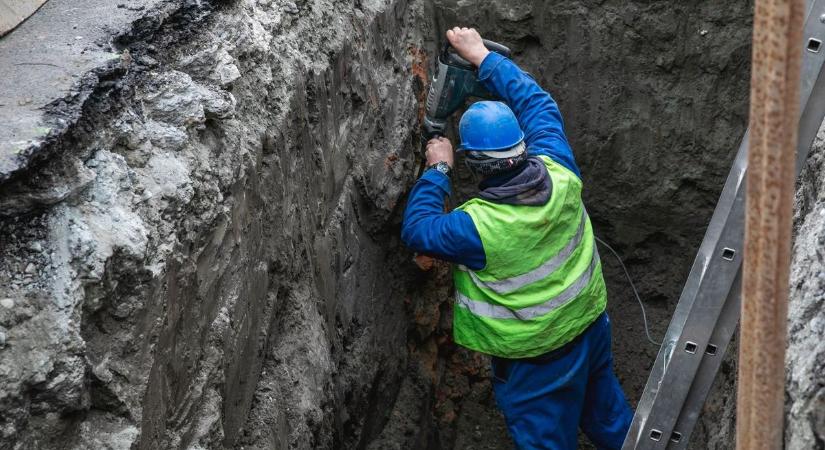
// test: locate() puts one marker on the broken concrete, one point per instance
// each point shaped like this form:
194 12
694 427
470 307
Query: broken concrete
53 62
205 252
12 13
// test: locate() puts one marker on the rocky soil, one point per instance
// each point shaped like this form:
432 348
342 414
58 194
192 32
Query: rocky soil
210 256
223 268
805 358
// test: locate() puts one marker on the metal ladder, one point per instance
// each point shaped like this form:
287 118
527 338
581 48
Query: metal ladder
708 309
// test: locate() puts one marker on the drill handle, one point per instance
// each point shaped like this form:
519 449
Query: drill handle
452 58
496 47
432 127
425 138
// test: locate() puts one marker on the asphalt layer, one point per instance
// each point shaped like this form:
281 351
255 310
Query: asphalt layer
49 58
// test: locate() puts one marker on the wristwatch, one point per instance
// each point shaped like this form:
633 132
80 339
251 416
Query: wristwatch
442 167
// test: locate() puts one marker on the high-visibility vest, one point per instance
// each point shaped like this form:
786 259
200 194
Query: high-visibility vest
542 285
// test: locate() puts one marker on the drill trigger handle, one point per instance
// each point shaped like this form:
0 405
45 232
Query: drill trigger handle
492 46
424 142
496 47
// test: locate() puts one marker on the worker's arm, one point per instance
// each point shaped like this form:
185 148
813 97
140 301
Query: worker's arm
537 112
428 229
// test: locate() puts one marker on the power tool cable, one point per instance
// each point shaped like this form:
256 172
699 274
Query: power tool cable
635 292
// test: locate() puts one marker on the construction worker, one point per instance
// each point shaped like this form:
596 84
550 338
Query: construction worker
529 285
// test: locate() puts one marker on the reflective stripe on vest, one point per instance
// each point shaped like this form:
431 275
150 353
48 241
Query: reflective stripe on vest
485 309
514 283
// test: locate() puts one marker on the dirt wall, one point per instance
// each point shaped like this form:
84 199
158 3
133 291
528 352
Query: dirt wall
224 271
210 256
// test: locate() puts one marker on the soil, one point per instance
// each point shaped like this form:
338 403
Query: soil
206 253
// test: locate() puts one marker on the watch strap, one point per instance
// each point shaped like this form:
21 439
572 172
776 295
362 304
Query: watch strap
440 166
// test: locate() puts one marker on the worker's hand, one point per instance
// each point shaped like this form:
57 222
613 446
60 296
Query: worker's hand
467 42
439 149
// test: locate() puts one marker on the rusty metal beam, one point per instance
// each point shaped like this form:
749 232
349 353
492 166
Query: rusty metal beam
774 113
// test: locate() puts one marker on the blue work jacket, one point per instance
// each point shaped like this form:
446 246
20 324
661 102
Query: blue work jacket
452 236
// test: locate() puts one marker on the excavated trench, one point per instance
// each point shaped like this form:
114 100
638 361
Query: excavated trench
209 256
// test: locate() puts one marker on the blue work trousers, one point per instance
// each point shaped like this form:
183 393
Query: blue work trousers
546 399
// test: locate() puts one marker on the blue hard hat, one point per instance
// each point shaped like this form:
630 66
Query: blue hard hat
489 126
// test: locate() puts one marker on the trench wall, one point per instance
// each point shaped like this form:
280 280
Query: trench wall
223 270
210 256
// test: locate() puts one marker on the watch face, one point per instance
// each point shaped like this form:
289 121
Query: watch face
441 166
